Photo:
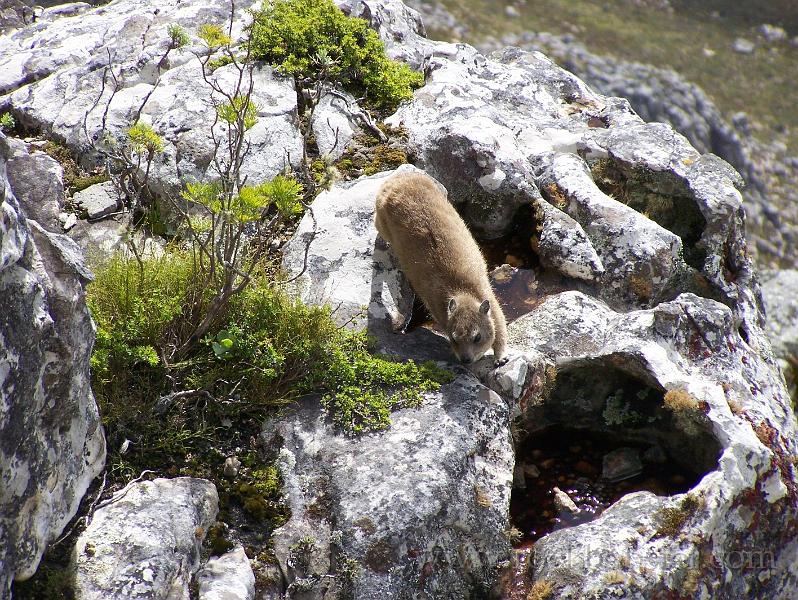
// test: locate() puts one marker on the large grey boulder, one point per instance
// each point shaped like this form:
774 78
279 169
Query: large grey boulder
145 541
51 440
76 77
418 509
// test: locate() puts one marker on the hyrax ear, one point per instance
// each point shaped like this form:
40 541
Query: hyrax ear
484 307
452 306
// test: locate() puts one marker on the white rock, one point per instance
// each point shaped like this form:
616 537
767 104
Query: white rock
227 577
145 541
743 46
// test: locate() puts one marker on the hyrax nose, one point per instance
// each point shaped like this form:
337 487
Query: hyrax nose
466 360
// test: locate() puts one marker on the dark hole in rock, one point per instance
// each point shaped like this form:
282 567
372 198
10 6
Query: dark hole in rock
604 431
661 198
743 331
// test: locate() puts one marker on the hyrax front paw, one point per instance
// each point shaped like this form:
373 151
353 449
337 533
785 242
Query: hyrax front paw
500 361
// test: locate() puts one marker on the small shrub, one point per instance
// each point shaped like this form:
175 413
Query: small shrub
680 401
313 40
213 36
178 37
7 122
143 139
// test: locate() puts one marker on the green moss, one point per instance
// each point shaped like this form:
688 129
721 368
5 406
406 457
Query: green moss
367 154
314 40
217 540
671 520
81 182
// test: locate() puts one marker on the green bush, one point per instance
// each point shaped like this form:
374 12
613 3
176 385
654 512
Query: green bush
313 39
266 350
7 122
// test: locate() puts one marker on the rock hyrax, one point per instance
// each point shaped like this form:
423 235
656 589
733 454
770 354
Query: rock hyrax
439 256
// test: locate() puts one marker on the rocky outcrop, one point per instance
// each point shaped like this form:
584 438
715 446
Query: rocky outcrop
665 96
51 441
657 298
644 292
145 540
81 76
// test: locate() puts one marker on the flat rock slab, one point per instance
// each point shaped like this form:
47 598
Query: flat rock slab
99 200
144 542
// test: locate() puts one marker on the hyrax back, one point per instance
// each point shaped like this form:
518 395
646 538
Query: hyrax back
439 256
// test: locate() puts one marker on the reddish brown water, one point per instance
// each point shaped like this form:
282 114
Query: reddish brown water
572 461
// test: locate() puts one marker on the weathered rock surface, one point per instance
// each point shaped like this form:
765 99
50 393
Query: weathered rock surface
428 514
335 122
665 96
37 181
145 541
780 292
99 200
665 301
51 441
336 259
227 577
55 77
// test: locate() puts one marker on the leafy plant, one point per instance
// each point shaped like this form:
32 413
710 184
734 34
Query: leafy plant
178 37
213 36
314 40
144 140
7 122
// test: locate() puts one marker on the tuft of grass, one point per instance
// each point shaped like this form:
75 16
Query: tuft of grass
314 40
680 401
540 590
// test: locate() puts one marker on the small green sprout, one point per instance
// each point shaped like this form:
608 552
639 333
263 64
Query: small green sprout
178 37
144 139
213 36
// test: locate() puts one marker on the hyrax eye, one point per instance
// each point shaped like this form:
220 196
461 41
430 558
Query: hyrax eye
477 338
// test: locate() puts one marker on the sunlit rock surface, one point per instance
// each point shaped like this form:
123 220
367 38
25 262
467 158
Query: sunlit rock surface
51 441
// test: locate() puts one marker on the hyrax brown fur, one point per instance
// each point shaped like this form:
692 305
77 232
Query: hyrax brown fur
441 259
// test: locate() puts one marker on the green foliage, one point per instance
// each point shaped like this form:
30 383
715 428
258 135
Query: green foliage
7 122
178 37
134 307
144 139
283 192
266 350
82 182
219 61
213 36
239 110
313 39
223 344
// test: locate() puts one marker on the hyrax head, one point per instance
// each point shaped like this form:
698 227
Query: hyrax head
469 327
